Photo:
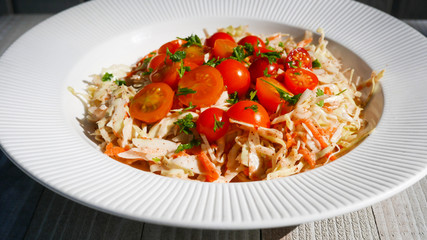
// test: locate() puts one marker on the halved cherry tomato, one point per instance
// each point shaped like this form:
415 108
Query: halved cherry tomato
223 48
255 41
207 83
259 65
218 35
157 61
152 103
166 72
213 123
268 96
298 58
297 80
249 112
194 54
172 46
236 76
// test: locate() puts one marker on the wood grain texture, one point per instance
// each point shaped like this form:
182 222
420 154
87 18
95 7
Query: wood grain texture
45 6
411 9
383 5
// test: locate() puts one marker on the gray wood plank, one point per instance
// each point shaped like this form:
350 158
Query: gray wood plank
59 218
45 6
152 231
411 9
383 5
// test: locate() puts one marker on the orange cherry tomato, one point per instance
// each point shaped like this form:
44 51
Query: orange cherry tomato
204 86
259 66
152 103
172 46
297 80
218 35
213 123
157 61
223 48
236 76
166 72
194 54
268 95
298 58
250 112
255 41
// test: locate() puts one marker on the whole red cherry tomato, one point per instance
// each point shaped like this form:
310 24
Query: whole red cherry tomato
218 35
235 75
249 112
260 66
213 123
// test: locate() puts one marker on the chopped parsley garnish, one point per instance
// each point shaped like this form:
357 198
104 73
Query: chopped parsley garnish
297 73
316 64
319 92
252 96
186 124
177 56
192 40
185 91
285 96
156 159
233 98
239 53
217 124
148 72
270 48
107 77
253 107
281 44
120 82
182 69
267 41
266 72
320 103
291 64
189 145
271 56
190 106
214 62
249 49
342 91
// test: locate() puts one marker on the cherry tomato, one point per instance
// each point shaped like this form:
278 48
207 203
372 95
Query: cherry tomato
255 41
157 61
172 46
218 35
268 96
249 112
213 123
259 65
194 54
223 48
297 80
166 72
236 76
300 58
152 103
207 83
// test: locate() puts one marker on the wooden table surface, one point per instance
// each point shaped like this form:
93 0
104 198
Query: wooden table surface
30 211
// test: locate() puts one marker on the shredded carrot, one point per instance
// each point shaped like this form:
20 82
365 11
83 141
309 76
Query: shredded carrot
246 171
304 42
289 140
180 154
307 156
212 173
112 150
273 37
315 132
327 91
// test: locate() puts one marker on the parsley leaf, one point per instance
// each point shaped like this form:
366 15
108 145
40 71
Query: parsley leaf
238 53
284 95
190 106
192 40
148 72
185 91
253 96
217 124
177 56
271 56
253 107
281 44
291 64
342 91
319 92
120 82
212 62
316 64
182 69
156 159
320 103
297 73
267 41
233 98
107 77
189 145
185 124
266 72
249 49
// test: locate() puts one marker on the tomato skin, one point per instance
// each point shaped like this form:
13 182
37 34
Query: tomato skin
259 118
157 61
166 72
172 46
268 95
208 84
194 54
223 48
255 41
298 56
152 103
297 80
218 35
206 123
236 76
258 67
